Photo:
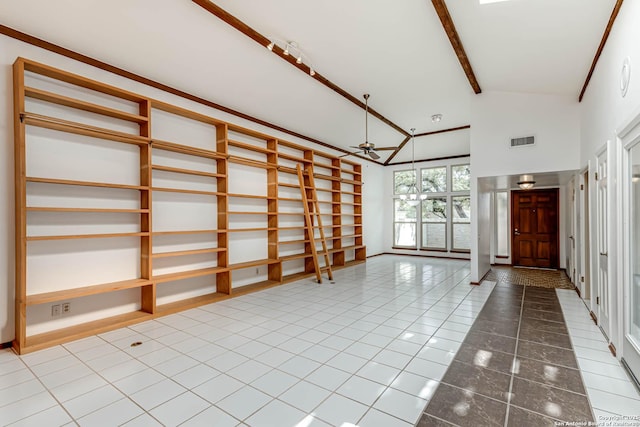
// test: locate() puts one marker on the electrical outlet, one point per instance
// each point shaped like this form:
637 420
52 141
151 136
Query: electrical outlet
55 310
66 308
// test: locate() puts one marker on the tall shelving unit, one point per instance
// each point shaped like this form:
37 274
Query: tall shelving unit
163 198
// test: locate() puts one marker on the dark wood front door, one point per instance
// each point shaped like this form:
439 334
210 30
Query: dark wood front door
535 228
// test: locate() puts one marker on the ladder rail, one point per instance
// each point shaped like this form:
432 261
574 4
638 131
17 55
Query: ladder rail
311 212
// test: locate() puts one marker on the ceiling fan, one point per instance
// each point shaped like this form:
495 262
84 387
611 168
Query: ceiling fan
366 147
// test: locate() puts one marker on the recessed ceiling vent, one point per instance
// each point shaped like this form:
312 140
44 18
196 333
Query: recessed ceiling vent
521 142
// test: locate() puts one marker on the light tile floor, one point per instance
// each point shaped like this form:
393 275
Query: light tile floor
367 350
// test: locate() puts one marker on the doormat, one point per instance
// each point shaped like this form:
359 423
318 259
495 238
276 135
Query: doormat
556 279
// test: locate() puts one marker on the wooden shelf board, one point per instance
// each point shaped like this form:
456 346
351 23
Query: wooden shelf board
87 236
286 184
326 177
185 191
55 98
251 162
325 165
85 183
346 248
176 232
292 242
59 336
241 230
54 123
249 196
83 210
74 79
186 171
294 158
188 150
255 263
174 307
249 147
246 213
47 297
292 257
170 277
350 181
188 252
254 287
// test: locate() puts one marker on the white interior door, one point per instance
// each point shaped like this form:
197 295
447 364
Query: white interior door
602 221
585 239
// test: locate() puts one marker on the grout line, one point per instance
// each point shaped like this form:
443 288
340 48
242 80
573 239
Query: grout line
515 356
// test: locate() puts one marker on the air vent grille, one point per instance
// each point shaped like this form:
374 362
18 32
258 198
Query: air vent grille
521 142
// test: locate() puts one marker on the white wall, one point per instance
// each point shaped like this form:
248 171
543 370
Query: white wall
496 117
603 110
10 49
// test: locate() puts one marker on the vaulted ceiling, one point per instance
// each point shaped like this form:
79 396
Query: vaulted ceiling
399 52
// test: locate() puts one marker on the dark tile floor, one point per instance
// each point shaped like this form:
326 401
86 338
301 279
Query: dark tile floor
516 367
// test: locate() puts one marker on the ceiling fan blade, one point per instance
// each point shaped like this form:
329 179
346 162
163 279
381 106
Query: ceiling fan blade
355 146
386 148
373 155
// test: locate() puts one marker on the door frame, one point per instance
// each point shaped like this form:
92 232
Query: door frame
628 137
602 306
584 236
513 212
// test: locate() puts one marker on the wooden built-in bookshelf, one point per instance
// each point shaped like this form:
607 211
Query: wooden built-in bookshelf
184 205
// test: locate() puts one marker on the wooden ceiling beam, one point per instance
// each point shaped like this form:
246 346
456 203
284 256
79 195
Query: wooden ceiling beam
456 43
262 40
435 132
605 36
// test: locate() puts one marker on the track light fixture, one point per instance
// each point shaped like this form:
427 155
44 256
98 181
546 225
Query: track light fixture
291 48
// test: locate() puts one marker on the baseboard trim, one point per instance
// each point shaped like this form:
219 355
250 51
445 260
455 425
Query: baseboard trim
6 344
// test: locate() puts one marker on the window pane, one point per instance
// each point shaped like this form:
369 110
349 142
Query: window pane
404 212
461 178
434 235
405 234
434 180
462 236
402 180
502 224
461 213
434 209
461 208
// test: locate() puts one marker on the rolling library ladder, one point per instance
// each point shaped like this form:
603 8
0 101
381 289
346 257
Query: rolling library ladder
313 220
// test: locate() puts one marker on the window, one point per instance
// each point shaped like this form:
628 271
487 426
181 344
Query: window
405 217
434 180
461 206
502 223
444 217
434 223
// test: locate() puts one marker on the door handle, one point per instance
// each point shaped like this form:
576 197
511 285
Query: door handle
516 232
603 254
